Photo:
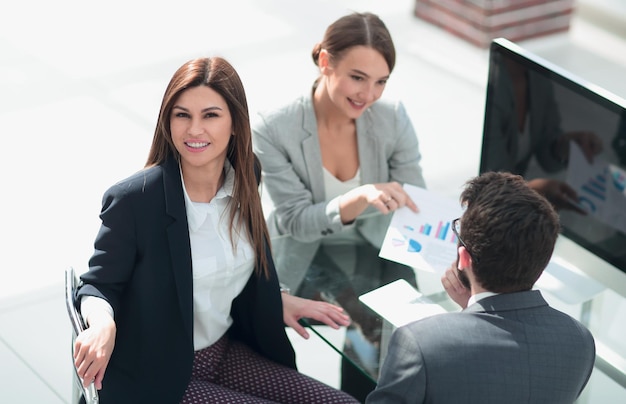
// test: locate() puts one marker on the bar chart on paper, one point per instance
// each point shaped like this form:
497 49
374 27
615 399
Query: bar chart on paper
440 231
425 239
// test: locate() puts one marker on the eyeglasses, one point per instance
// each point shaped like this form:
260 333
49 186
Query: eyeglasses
456 229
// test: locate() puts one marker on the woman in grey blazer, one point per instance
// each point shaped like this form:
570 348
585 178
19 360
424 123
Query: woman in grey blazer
334 162
340 132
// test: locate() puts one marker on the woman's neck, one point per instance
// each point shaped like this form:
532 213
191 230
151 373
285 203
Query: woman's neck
327 115
202 183
337 137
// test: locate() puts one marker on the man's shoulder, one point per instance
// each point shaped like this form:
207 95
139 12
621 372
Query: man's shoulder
439 323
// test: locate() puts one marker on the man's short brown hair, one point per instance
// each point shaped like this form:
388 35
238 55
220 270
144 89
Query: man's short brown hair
509 228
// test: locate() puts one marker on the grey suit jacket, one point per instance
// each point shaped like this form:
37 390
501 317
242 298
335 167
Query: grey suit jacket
287 144
509 348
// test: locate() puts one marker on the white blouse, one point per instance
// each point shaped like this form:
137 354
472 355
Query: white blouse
219 272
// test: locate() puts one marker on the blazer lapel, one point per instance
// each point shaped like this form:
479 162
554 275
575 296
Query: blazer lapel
369 150
178 236
312 153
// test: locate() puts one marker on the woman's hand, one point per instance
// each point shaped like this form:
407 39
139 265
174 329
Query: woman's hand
295 308
453 286
386 197
93 348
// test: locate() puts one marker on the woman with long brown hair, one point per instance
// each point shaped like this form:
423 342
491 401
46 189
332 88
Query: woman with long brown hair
181 297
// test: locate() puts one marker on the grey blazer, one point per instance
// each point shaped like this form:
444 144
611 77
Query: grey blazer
287 144
509 348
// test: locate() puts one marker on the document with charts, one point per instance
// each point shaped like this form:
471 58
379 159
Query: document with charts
423 240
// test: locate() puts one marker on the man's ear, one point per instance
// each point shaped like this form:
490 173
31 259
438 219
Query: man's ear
464 258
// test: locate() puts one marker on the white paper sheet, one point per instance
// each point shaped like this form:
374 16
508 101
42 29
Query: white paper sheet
425 239
399 303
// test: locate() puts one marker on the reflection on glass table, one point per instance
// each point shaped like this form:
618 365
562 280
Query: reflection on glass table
339 275
340 271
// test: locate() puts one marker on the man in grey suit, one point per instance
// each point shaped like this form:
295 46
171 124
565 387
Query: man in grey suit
507 345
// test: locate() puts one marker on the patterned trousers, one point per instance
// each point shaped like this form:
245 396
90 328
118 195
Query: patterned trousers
230 372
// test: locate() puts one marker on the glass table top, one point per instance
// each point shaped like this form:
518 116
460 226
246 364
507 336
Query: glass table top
339 270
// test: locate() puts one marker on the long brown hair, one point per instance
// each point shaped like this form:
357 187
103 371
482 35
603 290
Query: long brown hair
219 75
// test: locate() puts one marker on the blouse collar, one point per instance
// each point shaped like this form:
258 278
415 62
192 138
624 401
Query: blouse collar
196 215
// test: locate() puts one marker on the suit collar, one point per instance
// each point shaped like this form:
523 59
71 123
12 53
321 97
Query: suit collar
479 296
508 301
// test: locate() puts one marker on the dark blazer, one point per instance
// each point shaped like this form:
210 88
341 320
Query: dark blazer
142 267
509 348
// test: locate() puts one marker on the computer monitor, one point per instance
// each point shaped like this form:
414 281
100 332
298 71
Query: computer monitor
561 132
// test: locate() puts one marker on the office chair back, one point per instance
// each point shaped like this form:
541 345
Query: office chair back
89 393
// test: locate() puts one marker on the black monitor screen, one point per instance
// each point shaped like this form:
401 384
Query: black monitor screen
567 138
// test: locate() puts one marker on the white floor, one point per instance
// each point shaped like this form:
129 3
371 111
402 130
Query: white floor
80 88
